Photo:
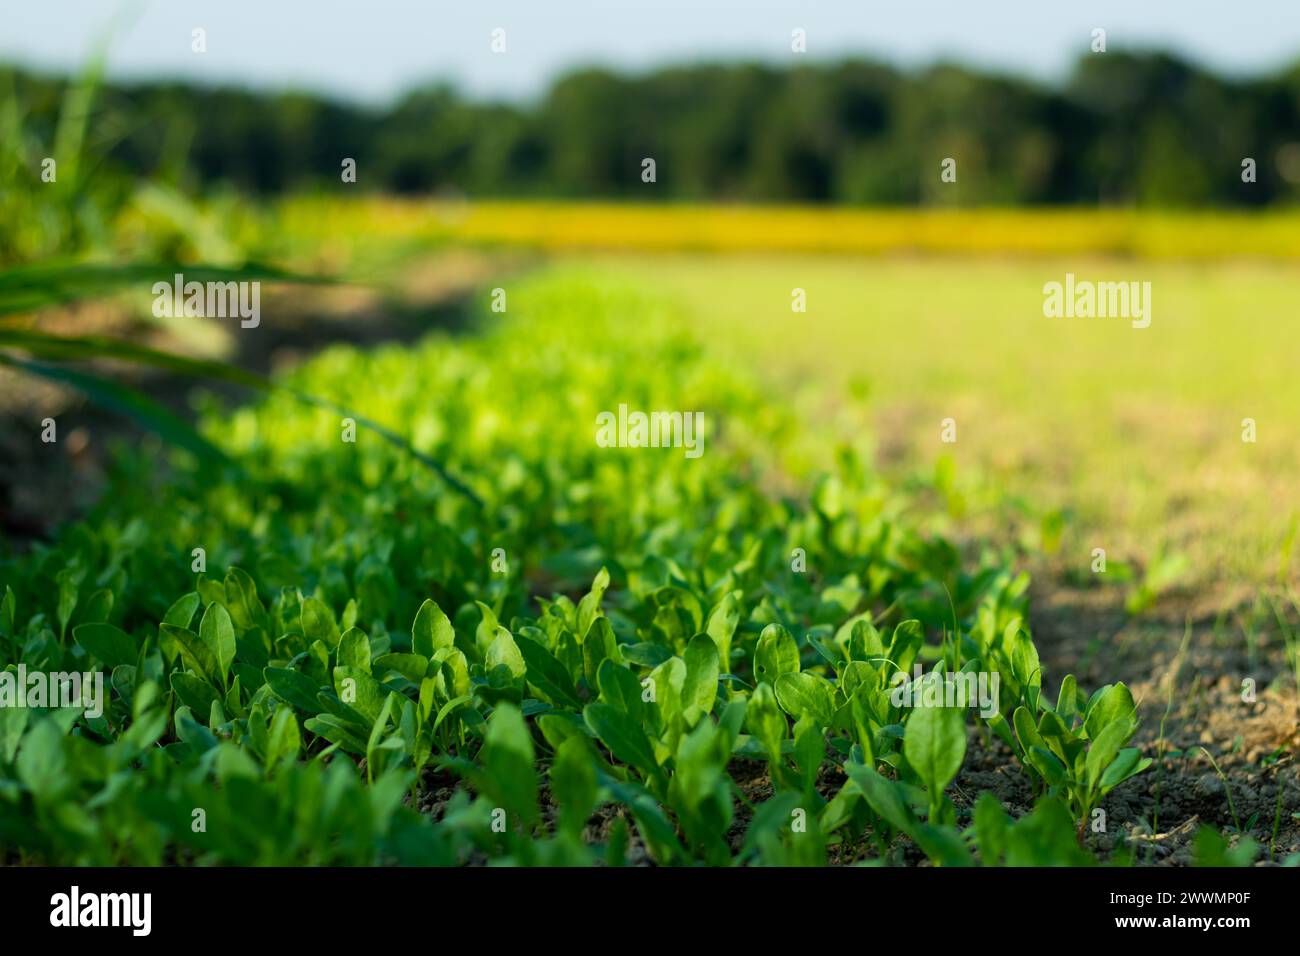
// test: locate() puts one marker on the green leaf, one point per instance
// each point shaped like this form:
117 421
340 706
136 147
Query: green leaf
194 692
486 630
242 602
217 632
98 606
809 751
573 782
181 613
336 732
547 674
507 758
1026 731
805 693
431 630
865 642
1113 702
42 762
196 654
652 823
701 688
1128 763
376 746
358 690
722 624
599 645
69 582
8 613
504 653
934 744
108 644
449 708
991 825
128 401
1106 747
589 606
622 735
1049 765
413 667
1025 665
13 721
1210 848
943 844
766 721
776 654
620 689
1036 752
770 819
354 650
669 678
884 797
1067 704
318 623
294 688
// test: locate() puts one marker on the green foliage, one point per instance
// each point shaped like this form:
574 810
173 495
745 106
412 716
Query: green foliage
1078 751
935 746
1210 848
353 682
1041 838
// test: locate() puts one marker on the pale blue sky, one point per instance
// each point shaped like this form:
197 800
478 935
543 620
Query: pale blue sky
373 49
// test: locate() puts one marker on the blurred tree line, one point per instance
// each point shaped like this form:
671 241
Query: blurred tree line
1125 128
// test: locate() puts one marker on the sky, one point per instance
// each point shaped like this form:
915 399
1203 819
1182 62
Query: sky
373 50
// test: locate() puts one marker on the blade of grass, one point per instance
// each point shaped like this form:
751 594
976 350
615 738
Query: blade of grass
29 288
129 401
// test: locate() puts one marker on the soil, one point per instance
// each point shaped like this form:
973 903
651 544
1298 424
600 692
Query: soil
1221 753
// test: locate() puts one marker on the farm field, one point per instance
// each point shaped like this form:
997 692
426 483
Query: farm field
1071 433
1089 430
757 587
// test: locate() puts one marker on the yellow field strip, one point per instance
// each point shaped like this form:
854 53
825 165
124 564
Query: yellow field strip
649 227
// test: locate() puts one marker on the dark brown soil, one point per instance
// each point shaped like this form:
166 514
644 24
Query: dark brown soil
1186 670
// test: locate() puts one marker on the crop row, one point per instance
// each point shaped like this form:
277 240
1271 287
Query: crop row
594 660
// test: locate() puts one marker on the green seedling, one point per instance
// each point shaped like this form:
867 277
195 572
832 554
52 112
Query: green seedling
1079 752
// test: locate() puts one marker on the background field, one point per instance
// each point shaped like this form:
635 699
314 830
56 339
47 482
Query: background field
1135 433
